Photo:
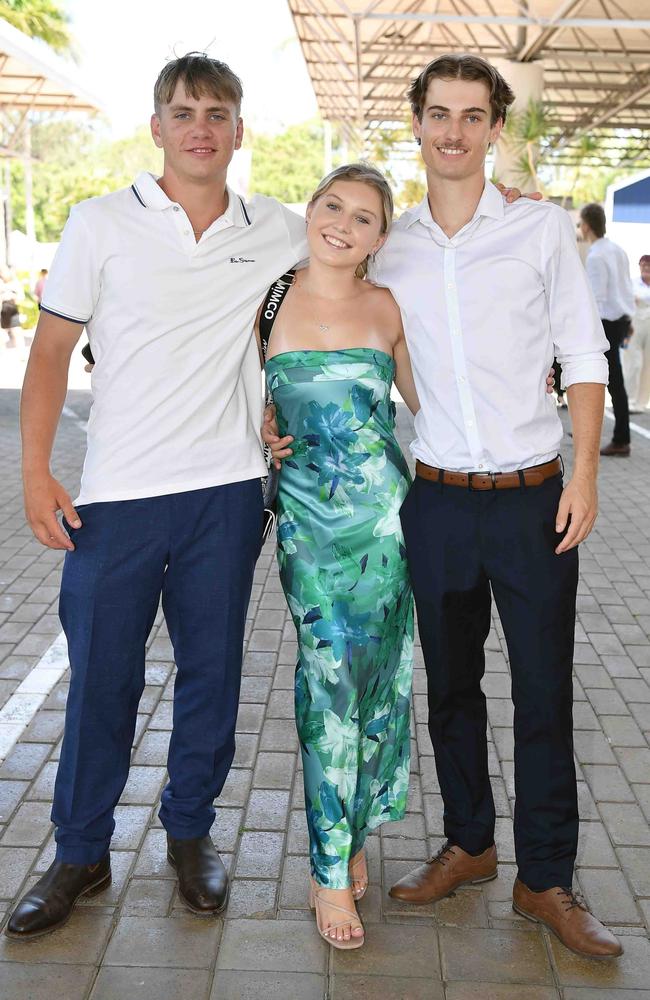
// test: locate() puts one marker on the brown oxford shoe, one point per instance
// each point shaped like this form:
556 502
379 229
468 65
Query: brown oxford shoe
566 915
50 902
450 868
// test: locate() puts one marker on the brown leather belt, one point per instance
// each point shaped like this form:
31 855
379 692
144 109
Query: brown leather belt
533 476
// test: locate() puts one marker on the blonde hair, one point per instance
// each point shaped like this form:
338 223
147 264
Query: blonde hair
365 173
201 76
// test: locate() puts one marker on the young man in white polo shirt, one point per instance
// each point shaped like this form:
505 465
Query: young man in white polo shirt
478 281
166 276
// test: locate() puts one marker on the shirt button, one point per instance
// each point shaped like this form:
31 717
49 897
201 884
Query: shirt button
177 208
461 378
450 284
480 466
470 423
186 232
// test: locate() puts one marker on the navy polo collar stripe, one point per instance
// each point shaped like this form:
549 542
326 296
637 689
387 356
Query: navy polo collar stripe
138 196
243 208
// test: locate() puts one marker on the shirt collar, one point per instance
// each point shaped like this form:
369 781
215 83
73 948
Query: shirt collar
490 204
149 193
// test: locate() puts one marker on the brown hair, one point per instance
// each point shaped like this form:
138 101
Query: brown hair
201 75
644 259
594 216
366 174
462 67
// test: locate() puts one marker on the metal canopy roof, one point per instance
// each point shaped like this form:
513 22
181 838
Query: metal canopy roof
32 78
361 55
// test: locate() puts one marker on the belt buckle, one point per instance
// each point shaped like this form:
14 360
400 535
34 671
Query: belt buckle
470 476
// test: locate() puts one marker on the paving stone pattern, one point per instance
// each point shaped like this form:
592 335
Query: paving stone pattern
137 941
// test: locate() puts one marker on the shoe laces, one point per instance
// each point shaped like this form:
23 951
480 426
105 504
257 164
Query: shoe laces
572 899
439 858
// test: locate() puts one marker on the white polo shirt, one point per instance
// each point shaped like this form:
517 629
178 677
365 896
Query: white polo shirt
177 399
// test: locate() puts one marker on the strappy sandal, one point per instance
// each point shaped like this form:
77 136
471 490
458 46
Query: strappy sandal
359 882
351 915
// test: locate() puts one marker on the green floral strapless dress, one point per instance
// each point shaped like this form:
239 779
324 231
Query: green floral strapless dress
344 573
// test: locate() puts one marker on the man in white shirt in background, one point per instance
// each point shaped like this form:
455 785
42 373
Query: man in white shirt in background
478 281
166 276
609 273
636 362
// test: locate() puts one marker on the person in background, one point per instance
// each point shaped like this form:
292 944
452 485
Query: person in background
40 285
11 294
637 358
609 274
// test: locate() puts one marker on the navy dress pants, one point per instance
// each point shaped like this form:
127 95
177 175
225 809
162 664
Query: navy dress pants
461 545
198 550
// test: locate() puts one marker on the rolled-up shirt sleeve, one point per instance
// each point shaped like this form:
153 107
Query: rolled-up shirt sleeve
73 284
576 327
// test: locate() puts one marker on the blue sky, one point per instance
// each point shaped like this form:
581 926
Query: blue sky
124 44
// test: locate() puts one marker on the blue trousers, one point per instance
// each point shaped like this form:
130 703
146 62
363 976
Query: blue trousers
198 550
460 546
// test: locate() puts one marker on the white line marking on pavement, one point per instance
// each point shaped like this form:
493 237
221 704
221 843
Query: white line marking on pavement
633 427
28 697
67 411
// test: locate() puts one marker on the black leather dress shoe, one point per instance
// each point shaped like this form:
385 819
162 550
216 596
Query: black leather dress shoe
202 879
50 902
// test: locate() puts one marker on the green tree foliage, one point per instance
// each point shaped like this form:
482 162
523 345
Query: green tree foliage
42 19
288 166
73 161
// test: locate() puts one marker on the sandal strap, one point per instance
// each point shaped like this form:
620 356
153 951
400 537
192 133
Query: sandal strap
352 915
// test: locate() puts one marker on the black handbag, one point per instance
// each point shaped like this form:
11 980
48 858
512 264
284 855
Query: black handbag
270 483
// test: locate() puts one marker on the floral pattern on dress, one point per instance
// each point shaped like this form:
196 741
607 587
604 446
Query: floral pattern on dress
343 569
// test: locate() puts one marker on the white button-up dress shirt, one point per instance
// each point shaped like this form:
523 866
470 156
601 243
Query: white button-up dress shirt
609 273
485 312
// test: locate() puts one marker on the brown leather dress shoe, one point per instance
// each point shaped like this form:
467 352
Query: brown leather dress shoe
622 450
50 902
450 868
566 915
202 879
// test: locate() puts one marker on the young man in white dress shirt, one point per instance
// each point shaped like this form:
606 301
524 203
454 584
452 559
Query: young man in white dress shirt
479 281
166 276
609 273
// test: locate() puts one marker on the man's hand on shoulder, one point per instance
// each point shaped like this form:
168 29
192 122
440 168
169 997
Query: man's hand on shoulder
578 508
513 194
44 496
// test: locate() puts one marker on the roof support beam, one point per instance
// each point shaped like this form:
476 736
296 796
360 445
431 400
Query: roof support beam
534 46
622 24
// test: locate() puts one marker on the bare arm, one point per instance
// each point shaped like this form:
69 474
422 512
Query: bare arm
580 495
42 399
404 375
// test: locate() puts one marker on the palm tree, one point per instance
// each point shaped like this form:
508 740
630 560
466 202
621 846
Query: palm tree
42 19
525 131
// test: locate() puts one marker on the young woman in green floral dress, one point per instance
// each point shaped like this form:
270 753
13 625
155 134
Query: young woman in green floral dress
337 346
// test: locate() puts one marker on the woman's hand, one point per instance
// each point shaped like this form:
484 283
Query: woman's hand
513 194
279 446
550 380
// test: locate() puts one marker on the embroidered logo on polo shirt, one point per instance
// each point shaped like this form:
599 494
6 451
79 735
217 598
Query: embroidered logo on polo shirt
242 260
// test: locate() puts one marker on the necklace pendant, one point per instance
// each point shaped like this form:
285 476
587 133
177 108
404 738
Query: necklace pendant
324 327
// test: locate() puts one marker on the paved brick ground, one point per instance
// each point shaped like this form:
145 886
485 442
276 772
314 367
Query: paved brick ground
136 941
